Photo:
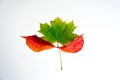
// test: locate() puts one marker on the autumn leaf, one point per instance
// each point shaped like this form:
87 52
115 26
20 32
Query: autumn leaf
37 44
59 32
74 46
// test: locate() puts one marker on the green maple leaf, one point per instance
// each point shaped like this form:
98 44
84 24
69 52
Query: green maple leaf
58 31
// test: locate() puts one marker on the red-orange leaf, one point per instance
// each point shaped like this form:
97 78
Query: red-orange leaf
37 44
74 46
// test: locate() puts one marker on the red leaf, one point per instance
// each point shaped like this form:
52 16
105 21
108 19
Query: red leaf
74 46
37 44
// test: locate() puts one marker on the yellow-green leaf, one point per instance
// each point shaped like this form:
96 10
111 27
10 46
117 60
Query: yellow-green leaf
58 31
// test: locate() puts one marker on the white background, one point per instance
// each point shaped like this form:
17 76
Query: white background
99 59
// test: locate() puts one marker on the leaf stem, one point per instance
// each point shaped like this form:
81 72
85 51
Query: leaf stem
61 68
